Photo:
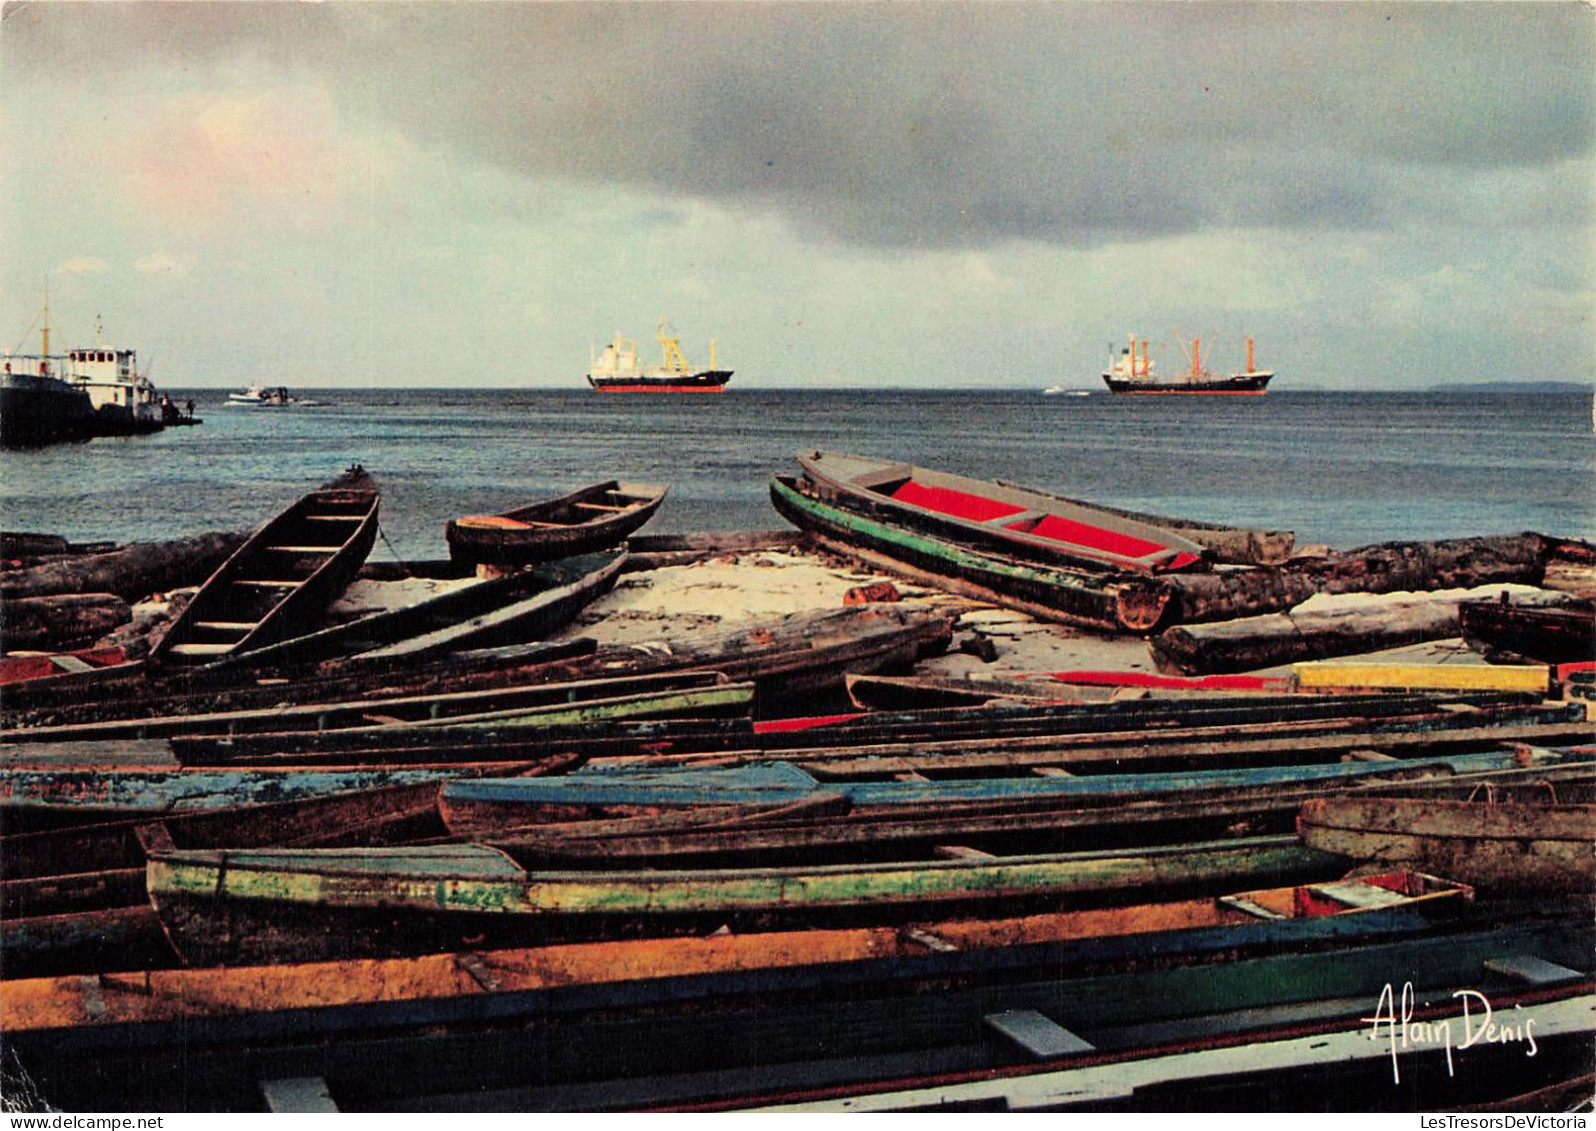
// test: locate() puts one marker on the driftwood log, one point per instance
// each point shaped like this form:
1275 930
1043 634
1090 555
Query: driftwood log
1347 628
1384 568
61 622
132 572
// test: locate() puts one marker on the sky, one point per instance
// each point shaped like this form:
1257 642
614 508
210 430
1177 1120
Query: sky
990 195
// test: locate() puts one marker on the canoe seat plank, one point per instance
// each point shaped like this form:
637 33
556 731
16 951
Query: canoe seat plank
928 939
1358 895
602 507
71 664
264 583
301 549
1242 903
910 775
1370 756
226 625
1531 970
303 1094
201 649
1051 772
1035 1034
330 518
478 971
960 852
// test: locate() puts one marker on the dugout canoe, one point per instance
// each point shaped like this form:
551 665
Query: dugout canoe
299 905
995 517
280 582
591 518
1359 909
729 1038
1504 839
723 836
468 806
1102 602
544 599
33 799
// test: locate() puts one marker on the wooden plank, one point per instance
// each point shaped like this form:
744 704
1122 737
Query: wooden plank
1449 677
1531 970
1035 1034
301 1095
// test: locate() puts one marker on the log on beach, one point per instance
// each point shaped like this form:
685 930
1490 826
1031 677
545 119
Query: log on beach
1345 625
132 572
1384 568
59 623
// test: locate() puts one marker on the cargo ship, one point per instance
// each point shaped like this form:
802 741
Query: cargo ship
616 369
1133 373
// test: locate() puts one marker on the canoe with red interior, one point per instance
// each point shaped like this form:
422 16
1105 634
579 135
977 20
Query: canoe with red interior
996 517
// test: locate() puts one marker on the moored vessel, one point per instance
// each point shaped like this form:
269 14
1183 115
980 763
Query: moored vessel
1133 373
616 368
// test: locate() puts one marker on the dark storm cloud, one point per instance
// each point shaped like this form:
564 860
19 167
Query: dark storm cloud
938 124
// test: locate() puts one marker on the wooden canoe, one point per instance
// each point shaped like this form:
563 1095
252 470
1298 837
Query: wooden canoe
592 518
470 805
1363 908
1548 634
545 598
994 517
1103 602
1503 839
15 669
279 583
488 1031
721 836
300 904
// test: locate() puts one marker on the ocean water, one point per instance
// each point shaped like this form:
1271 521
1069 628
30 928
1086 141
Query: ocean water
1346 469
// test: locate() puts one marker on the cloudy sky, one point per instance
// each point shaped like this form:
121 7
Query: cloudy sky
982 194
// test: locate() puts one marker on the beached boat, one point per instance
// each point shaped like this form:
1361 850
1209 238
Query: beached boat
1103 602
730 1021
470 807
1133 373
617 369
27 668
529 604
1367 907
1549 634
301 905
1504 839
995 517
280 582
592 518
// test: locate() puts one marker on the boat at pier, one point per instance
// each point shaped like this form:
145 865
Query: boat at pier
1133 373
86 392
616 369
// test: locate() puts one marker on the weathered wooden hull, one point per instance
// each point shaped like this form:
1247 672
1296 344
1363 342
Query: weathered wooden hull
1103 603
995 517
265 904
1370 907
591 518
548 597
474 804
1504 841
458 1038
279 583
1550 635
538 705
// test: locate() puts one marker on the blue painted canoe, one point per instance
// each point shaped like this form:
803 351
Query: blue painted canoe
777 782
